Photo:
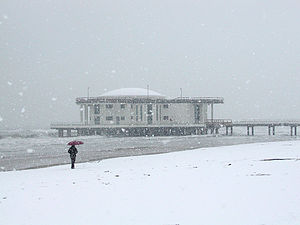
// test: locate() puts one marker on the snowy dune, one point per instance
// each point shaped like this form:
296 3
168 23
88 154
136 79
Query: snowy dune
242 184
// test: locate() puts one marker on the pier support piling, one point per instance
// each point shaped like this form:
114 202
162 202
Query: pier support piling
294 130
60 132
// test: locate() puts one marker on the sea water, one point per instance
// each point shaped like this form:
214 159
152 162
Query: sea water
25 149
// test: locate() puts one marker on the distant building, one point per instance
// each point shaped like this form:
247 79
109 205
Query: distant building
136 111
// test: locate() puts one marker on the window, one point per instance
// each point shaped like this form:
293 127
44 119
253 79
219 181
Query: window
109 106
166 106
131 117
141 112
123 106
97 109
136 112
149 109
166 118
97 120
122 117
109 118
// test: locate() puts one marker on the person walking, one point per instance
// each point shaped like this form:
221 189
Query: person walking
72 151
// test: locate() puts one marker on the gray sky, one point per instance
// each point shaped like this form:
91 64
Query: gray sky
245 51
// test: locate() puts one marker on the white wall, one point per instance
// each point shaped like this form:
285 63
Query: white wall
178 113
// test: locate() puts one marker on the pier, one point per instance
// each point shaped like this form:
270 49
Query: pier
212 126
270 126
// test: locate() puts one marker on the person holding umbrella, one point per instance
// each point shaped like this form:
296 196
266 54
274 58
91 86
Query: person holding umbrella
73 151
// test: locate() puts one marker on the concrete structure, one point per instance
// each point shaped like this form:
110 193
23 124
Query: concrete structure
136 111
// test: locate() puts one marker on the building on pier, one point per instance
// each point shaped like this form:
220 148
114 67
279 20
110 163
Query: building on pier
137 111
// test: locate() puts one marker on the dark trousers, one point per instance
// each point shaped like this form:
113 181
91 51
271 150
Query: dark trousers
72 162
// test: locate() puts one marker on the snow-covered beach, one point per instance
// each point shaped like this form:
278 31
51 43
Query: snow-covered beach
242 184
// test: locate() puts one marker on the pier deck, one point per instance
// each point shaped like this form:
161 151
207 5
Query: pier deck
271 125
67 129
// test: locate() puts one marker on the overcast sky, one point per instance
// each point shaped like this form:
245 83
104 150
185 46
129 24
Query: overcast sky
245 51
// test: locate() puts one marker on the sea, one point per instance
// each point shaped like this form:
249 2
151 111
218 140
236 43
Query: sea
36 148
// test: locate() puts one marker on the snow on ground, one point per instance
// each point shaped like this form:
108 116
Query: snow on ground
220 185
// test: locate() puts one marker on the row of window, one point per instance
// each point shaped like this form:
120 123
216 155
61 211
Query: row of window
122 106
123 118
112 118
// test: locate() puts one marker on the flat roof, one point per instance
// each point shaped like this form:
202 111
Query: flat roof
210 100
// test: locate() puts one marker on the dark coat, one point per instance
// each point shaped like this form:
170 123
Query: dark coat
72 151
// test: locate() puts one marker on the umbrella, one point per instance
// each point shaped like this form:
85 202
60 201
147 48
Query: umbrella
75 143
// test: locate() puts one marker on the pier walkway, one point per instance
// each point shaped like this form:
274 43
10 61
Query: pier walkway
250 125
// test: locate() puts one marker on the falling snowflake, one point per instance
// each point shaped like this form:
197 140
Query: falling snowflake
9 83
21 93
23 110
53 99
1 119
29 150
5 17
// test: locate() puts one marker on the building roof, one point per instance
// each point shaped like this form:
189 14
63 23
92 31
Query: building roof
132 93
140 95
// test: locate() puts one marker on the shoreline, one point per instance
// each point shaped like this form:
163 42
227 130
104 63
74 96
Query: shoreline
124 147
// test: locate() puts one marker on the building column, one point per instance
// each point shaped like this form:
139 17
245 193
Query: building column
81 113
86 116
212 112
92 115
